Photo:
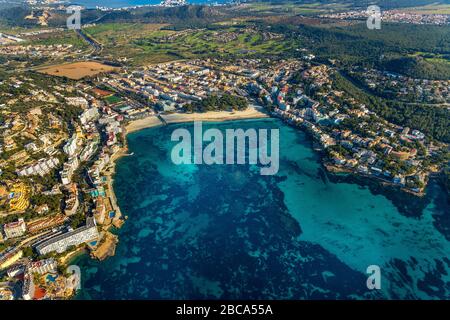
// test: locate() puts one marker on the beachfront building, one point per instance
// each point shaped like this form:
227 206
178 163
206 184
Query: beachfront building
94 173
61 242
100 211
15 229
89 150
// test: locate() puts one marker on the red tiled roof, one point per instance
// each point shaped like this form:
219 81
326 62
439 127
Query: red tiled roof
39 293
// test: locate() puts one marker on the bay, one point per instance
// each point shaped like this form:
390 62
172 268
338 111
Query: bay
225 231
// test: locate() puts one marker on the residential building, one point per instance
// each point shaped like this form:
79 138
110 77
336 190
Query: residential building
61 242
28 286
43 266
15 229
71 146
9 257
69 168
72 204
88 115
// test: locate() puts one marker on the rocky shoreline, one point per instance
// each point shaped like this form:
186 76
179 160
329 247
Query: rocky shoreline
409 204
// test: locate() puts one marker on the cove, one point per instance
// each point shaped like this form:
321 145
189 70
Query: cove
209 232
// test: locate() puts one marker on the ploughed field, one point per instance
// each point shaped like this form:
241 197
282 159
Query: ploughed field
77 70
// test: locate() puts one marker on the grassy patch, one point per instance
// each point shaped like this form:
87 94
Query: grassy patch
434 8
293 8
113 99
55 38
145 44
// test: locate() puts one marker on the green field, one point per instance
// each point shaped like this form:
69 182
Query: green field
432 57
60 37
113 99
57 37
293 8
434 8
117 40
16 30
148 43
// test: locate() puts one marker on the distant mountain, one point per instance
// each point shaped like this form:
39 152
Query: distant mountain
165 14
15 16
185 12
193 14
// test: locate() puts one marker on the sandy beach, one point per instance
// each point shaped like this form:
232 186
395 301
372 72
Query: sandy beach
136 125
68 258
252 112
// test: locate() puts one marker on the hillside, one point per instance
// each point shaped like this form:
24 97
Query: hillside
418 67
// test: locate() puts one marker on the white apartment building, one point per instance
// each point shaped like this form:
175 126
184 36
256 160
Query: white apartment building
43 266
69 168
61 242
42 167
77 101
15 229
88 115
71 146
28 286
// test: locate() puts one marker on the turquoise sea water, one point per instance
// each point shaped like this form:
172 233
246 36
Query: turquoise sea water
225 231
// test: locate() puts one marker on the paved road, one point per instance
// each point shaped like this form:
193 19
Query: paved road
96 45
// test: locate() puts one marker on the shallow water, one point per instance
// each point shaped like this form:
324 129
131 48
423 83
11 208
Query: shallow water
225 231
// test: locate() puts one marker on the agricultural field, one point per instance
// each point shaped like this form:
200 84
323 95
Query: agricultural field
77 70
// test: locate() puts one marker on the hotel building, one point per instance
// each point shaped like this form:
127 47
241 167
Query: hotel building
61 242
